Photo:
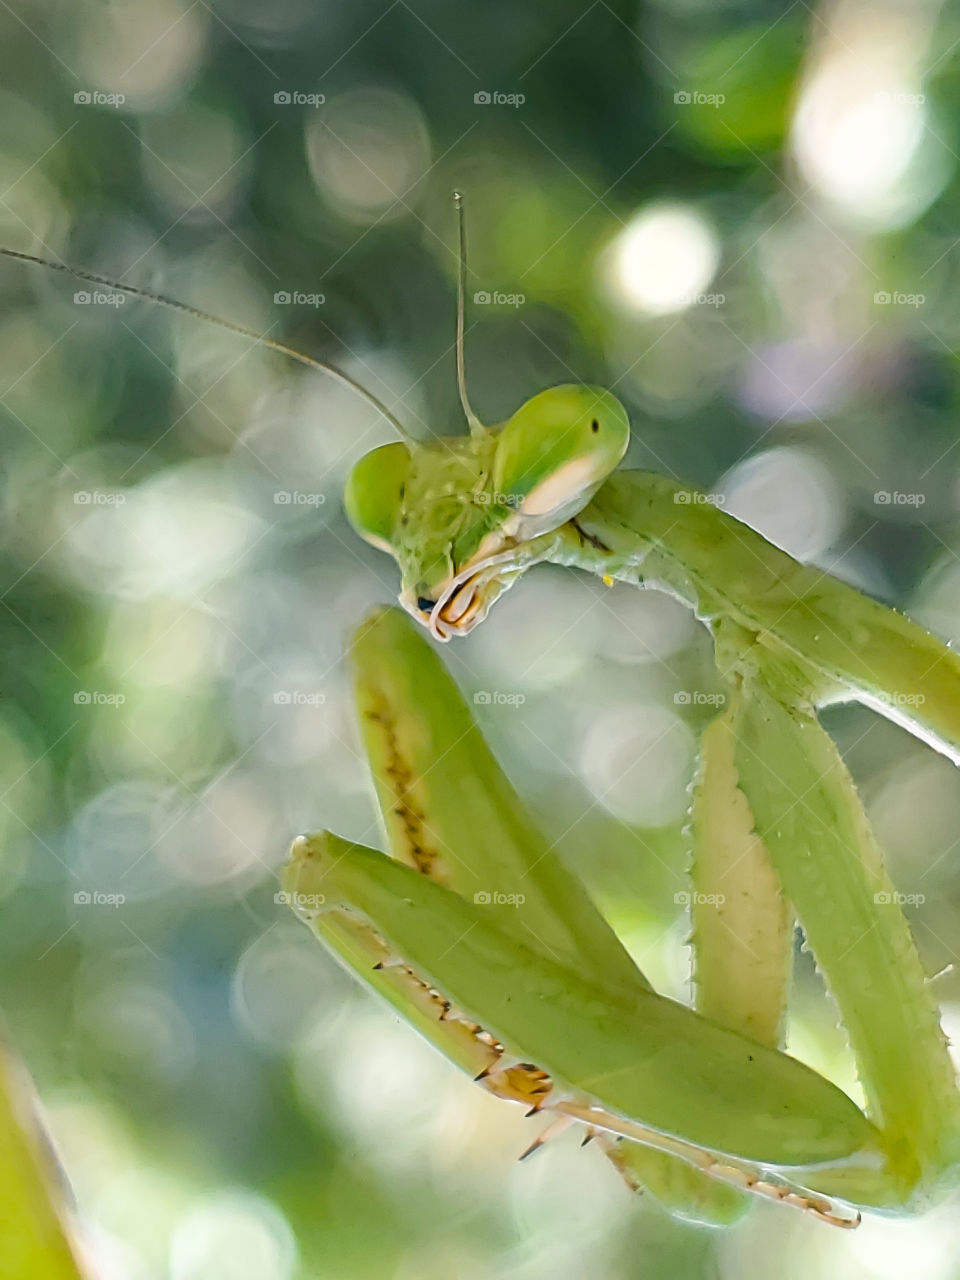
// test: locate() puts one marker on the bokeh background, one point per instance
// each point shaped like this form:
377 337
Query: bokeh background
745 218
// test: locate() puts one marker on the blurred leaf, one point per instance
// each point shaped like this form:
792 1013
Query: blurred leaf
33 1236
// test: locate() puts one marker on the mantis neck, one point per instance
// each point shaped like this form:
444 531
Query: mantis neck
644 527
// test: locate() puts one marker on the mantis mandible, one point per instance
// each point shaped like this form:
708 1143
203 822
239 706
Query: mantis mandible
544 1006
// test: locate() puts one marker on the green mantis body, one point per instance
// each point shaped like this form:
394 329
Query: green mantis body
541 1002
787 638
465 517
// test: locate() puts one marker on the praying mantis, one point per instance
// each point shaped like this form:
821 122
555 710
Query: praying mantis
538 999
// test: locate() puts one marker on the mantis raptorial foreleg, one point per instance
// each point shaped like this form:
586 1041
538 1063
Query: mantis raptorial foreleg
793 637
826 857
642 1063
450 812
452 816
742 924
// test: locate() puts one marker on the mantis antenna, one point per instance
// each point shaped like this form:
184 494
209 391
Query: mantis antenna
229 325
476 426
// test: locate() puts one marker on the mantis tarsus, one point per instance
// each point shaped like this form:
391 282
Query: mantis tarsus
542 1003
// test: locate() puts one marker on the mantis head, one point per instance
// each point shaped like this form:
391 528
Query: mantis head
457 514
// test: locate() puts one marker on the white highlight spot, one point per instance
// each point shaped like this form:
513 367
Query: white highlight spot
790 496
663 259
638 761
233 1235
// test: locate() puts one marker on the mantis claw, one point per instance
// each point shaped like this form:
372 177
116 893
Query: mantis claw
553 1130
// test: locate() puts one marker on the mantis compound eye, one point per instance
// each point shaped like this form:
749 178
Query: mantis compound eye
425 605
556 451
374 491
